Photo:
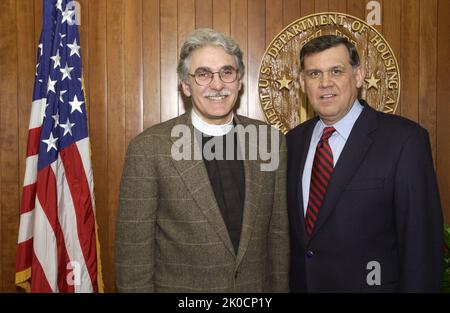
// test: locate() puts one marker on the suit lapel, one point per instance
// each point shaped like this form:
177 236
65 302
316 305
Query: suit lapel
195 177
301 152
251 204
252 192
349 161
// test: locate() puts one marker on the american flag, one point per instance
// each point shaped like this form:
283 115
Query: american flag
58 249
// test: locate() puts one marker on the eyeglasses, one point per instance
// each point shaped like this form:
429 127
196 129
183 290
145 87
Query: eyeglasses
203 76
317 74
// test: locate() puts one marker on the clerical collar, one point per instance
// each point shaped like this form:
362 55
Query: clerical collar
210 129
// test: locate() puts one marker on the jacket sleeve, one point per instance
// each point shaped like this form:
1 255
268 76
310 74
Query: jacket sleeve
418 217
136 218
279 250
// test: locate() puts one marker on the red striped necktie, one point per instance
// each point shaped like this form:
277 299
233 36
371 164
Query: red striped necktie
320 175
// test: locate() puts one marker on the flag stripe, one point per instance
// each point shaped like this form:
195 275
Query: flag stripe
37 112
24 254
28 200
45 252
46 196
84 149
39 281
26 227
34 136
63 235
79 189
30 170
67 216
54 234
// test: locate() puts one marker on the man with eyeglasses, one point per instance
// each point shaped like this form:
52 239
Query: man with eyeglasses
207 224
363 202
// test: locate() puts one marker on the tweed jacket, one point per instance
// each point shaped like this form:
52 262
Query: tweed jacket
170 234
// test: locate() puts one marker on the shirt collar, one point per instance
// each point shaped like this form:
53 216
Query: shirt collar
210 129
343 126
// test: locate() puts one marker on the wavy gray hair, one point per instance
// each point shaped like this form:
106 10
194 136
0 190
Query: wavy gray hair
202 37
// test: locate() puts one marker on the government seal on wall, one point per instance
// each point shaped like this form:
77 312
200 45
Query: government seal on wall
282 101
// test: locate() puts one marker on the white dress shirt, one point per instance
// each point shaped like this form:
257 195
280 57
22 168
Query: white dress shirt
337 142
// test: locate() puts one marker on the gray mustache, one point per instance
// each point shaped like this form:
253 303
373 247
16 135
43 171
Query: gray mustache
221 93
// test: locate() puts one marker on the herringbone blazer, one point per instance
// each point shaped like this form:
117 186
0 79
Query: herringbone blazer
170 234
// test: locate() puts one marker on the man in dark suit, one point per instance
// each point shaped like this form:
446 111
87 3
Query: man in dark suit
363 202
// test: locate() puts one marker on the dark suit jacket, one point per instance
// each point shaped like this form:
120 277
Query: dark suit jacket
382 204
170 234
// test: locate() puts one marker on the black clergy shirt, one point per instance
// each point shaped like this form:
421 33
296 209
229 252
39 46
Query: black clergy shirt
228 182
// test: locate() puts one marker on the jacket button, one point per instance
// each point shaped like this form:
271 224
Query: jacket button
309 254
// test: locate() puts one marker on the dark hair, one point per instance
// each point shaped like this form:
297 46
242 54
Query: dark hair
325 42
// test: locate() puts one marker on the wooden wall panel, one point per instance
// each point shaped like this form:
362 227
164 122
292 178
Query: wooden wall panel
338 6
133 68
427 70
116 122
98 126
26 67
9 160
186 24
306 7
443 106
321 5
239 28
391 29
221 16
130 52
169 57
291 10
409 62
356 8
151 62
38 7
274 19
203 13
256 29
